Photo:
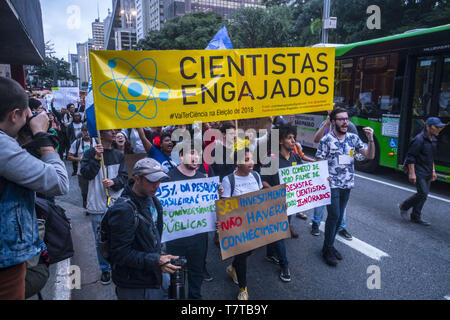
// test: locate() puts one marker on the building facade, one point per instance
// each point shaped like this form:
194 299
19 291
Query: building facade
98 34
224 8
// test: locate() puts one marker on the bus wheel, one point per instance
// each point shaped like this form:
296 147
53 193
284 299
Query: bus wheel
363 164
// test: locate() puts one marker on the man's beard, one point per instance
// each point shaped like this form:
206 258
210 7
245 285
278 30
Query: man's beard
338 130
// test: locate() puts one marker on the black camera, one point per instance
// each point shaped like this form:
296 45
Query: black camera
177 280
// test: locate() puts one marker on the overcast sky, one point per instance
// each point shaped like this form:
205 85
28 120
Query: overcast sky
67 22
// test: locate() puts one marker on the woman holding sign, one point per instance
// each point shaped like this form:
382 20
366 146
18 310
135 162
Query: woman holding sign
243 180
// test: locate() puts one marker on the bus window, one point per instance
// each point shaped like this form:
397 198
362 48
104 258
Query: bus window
343 82
374 85
444 94
423 92
443 147
425 70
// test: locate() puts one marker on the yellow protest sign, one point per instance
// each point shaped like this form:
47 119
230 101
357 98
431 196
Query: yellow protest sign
155 88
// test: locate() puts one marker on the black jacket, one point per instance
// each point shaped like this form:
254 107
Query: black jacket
420 153
135 253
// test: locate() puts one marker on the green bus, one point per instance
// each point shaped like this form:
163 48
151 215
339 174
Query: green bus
392 85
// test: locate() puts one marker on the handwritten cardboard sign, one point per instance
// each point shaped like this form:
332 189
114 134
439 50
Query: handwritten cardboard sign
188 207
252 220
307 186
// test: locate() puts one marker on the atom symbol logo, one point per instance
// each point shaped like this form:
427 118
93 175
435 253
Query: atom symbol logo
134 93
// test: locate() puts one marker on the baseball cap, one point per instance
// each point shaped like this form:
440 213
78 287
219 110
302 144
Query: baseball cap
150 169
434 121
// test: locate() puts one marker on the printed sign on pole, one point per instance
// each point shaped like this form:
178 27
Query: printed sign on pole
135 89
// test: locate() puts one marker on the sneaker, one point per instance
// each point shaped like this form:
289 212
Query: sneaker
344 234
329 257
243 294
315 229
403 213
273 259
301 215
285 275
232 272
336 253
421 222
105 278
206 276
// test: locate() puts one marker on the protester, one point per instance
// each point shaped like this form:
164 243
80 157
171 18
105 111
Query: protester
420 167
224 163
160 149
77 149
121 143
22 175
276 252
339 148
139 264
135 141
243 180
73 133
194 248
325 128
113 183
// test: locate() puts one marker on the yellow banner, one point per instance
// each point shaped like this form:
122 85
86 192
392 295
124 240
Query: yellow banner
156 88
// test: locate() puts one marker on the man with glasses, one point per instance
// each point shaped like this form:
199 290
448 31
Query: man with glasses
420 167
339 147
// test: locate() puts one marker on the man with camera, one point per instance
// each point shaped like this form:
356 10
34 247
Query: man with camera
139 268
21 175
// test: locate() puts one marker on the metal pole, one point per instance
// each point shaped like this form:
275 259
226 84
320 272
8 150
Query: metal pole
326 16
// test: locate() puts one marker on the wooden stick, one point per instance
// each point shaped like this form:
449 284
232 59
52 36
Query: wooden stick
102 163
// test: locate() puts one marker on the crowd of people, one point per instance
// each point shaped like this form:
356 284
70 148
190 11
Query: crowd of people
138 263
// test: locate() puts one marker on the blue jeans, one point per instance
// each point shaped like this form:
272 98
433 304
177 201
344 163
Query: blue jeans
318 215
339 200
278 250
104 265
145 294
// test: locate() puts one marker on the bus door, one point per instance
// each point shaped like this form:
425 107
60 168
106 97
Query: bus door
431 97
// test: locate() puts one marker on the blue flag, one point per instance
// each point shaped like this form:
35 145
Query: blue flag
90 112
220 41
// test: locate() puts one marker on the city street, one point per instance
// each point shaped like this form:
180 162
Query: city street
412 261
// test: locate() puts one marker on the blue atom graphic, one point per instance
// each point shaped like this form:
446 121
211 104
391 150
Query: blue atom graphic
133 93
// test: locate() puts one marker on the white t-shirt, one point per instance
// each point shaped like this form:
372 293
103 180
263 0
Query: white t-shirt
135 141
242 185
77 129
84 146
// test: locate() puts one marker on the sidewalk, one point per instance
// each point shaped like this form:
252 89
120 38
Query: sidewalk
85 257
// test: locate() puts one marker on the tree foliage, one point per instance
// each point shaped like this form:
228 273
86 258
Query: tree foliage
262 28
191 31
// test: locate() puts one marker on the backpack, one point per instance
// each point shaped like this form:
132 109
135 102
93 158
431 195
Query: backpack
103 230
58 237
232 179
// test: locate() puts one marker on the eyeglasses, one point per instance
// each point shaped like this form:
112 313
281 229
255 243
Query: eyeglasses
342 119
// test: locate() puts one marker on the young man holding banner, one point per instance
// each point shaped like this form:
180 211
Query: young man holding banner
276 252
243 180
339 148
194 247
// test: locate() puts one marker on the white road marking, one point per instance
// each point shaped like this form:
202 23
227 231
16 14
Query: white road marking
401 188
359 245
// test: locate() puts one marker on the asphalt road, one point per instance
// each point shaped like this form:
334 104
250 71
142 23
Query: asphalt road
414 263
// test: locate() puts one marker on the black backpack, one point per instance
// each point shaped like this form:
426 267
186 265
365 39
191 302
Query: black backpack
103 230
58 237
